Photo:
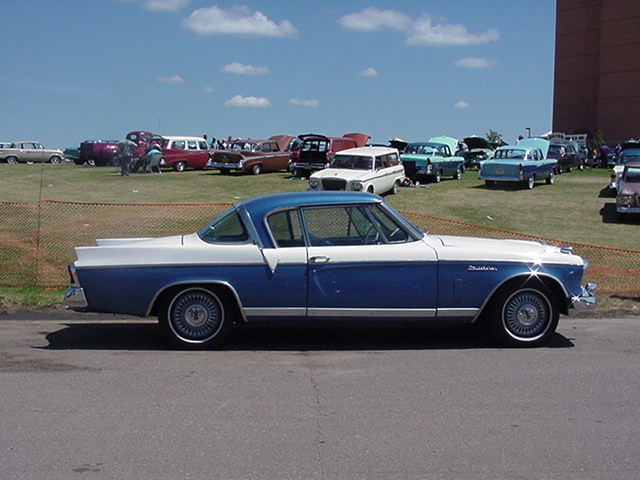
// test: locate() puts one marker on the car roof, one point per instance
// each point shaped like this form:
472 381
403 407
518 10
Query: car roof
369 151
180 137
260 205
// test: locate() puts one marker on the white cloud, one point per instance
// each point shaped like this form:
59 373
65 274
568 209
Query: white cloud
372 19
247 102
303 103
421 31
426 33
236 21
461 105
475 62
207 90
165 5
173 80
241 69
369 72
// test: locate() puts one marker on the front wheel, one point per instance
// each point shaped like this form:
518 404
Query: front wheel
195 318
458 174
524 317
437 177
12 160
179 166
256 169
550 178
55 159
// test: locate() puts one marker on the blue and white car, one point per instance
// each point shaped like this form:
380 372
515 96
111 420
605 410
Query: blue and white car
315 256
524 163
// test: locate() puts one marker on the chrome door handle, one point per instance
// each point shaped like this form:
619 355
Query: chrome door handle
319 259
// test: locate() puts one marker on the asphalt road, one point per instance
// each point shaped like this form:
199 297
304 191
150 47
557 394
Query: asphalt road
100 397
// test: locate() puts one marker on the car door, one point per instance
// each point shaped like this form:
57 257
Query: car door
362 264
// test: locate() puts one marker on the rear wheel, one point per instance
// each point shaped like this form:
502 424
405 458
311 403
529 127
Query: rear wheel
179 166
530 182
458 174
256 169
395 187
195 317
12 160
524 317
550 178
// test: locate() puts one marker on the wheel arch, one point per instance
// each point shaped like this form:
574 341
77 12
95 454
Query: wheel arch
549 285
216 287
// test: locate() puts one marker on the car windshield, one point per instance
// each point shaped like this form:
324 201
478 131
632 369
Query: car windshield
227 228
315 146
420 149
632 175
352 162
510 153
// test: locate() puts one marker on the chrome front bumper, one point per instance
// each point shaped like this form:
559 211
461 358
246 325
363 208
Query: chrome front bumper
586 299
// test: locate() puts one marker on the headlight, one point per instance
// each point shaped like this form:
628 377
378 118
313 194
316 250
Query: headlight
625 200
357 186
314 183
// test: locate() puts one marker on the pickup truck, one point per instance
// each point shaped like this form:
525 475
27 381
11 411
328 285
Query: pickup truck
30 152
106 152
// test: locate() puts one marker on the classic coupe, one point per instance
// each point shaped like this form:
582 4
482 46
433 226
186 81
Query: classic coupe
316 256
627 155
524 163
366 169
433 159
255 156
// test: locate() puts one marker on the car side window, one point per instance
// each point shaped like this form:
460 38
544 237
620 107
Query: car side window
393 232
285 228
192 145
227 228
340 226
202 145
179 144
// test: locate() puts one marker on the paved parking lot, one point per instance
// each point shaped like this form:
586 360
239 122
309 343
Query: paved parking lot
101 397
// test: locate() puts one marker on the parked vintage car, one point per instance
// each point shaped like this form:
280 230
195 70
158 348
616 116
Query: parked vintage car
180 153
5 144
433 159
313 256
363 169
478 150
626 156
628 197
316 152
567 154
525 163
30 152
106 152
255 156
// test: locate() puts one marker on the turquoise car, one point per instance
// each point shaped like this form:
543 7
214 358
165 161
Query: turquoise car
433 159
525 163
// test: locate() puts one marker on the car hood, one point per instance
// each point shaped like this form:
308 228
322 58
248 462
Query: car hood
476 143
485 250
345 173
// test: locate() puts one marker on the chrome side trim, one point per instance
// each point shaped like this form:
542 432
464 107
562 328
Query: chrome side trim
372 312
457 312
275 312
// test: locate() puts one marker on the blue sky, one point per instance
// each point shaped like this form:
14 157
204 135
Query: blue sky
80 69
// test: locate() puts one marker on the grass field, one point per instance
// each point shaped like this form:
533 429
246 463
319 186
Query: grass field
575 209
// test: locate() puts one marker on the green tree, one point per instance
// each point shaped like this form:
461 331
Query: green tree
493 136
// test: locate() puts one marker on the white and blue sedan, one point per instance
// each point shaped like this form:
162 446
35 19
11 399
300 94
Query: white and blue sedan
316 256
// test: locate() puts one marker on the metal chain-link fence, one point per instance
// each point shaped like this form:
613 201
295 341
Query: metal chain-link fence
37 240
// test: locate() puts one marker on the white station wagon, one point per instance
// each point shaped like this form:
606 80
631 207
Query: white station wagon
364 169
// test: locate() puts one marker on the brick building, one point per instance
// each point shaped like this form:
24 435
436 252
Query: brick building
597 68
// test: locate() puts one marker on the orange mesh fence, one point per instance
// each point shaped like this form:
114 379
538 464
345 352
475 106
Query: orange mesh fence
37 240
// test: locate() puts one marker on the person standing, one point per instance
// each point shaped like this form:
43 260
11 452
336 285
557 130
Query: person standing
127 152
